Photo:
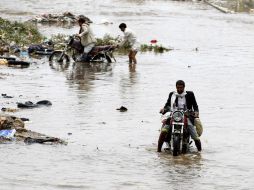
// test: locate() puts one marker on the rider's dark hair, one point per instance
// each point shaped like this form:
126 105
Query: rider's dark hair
180 82
122 25
82 19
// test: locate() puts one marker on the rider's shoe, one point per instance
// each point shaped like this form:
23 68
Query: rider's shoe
198 145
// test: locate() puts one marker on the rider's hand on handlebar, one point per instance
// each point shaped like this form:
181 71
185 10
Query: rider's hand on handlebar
77 36
196 114
162 110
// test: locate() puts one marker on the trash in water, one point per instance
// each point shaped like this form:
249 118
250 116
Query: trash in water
9 109
122 109
30 104
6 96
7 133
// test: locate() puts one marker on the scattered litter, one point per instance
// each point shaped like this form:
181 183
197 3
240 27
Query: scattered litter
24 119
66 17
18 63
9 110
3 62
7 133
30 104
122 109
6 96
41 140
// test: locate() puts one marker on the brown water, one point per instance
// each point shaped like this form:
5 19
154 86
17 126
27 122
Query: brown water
113 150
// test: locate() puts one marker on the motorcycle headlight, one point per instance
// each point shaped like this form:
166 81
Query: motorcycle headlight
178 116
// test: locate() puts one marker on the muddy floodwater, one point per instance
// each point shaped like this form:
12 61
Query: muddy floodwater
107 149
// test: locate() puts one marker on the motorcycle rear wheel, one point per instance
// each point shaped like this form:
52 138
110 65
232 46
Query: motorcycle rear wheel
176 145
101 58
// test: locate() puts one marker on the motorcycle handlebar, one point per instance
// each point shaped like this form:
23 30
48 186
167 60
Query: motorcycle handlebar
186 112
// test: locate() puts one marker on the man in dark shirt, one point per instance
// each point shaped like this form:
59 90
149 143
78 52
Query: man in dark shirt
184 100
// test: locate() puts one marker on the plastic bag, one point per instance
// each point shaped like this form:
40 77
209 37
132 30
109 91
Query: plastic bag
7 133
199 126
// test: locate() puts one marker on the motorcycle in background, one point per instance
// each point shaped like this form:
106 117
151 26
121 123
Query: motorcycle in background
75 49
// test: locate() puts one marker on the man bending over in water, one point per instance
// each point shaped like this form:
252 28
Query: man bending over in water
130 39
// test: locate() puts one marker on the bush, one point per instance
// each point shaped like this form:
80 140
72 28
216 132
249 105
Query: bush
18 33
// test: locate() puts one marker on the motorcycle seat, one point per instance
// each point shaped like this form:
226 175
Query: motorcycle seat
101 48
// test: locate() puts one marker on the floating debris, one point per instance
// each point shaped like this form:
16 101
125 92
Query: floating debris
21 64
7 58
24 119
30 104
9 110
45 48
6 96
12 62
3 62
122 109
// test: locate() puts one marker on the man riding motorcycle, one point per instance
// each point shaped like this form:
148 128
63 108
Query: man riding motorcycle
86 36
182 100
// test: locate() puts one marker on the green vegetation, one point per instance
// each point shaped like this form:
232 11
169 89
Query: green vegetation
18 33
25 34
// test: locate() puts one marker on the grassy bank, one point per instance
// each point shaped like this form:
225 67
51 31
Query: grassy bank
21 34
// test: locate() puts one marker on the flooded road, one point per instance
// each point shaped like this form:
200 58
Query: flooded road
108 149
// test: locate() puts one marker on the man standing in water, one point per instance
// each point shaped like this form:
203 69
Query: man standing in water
129 39
181 99
86 36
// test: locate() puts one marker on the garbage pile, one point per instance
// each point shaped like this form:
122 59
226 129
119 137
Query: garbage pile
66 17
13 129
11 61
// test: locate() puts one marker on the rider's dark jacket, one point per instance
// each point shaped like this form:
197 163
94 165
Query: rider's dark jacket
191 102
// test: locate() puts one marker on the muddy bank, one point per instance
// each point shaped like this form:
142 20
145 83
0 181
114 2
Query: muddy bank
231 6
16 126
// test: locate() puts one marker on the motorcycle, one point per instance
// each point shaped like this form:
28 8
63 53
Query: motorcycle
75 48
180 137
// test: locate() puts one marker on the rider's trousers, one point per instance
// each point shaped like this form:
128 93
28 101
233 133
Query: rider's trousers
192 130
88 48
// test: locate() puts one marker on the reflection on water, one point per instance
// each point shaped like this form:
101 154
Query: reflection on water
84 73
59 66
132 68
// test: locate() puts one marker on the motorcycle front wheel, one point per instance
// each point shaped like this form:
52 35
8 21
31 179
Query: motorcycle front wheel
176 145
59 58
184 148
